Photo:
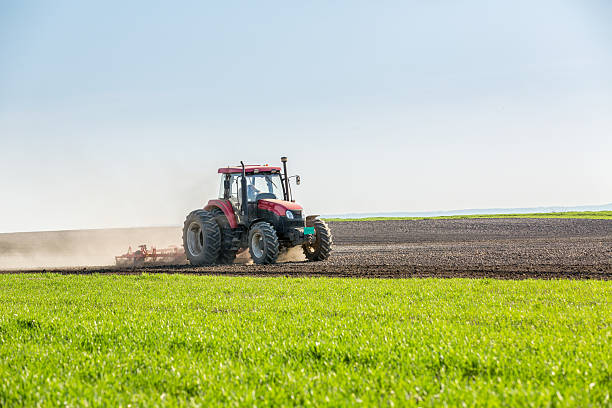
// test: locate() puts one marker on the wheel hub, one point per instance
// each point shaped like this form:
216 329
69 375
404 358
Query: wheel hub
257 244
195 239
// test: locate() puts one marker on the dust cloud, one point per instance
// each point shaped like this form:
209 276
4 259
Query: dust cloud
55 249
293 254
83 248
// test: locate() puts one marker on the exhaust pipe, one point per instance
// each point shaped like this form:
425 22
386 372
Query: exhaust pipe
284 160
245 207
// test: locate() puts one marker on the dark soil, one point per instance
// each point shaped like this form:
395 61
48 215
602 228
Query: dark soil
472 248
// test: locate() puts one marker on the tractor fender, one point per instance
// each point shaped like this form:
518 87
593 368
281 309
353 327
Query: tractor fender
226 207
310 220
256 220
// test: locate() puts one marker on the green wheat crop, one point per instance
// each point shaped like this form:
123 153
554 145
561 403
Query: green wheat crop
204 341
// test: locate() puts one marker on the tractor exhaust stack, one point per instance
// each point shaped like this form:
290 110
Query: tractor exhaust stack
243 182
286 178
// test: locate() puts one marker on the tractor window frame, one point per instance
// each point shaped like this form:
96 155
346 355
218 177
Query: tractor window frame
264 183
235 185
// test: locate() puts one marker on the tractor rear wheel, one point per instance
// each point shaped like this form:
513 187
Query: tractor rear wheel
322 247
226 254
263 243
201 238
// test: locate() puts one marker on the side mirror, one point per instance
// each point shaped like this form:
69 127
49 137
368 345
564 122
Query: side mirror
297 180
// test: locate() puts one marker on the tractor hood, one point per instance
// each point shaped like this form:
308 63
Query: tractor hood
278 207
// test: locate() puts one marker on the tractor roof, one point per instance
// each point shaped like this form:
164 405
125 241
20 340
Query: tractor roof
250 169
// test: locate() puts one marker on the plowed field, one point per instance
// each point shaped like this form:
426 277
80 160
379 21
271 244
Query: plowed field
495 248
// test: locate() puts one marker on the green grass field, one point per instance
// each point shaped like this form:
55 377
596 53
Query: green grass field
594 215
190 340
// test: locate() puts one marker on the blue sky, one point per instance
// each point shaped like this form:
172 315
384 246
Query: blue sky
115 114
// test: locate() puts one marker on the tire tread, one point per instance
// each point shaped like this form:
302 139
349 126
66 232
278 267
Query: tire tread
325 245
212 237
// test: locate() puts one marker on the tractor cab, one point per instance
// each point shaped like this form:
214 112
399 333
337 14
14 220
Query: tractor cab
262 182
254 190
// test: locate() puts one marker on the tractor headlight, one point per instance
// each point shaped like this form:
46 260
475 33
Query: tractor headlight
289 214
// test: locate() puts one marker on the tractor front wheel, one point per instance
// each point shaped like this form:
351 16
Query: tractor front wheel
321 248
201 238
263 243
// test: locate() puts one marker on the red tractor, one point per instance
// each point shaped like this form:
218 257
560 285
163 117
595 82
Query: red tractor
255 210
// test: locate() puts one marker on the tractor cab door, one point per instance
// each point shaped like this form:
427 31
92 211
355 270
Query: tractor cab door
230 190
